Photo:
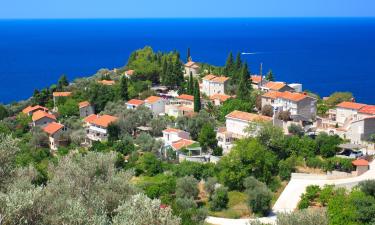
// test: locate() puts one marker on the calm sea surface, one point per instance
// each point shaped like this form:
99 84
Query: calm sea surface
325 55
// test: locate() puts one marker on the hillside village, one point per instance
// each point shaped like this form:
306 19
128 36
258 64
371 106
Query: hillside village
175 120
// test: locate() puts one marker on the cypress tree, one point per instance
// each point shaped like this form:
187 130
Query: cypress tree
229 65
269 76
238 62
244 86
190 88
188 56
124 88
62 82
197 97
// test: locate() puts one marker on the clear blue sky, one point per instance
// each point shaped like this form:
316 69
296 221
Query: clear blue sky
12 9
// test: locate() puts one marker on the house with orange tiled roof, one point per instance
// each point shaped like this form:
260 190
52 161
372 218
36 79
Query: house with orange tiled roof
257 81
156 104
107 82
129 73
97 127
54 131
29 110
347 112
219 99
42 118
171 135
366 111
236 127
191 67
212 84
134 103
301 106
85 109
277 86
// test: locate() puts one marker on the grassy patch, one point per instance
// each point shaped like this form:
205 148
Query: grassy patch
237 207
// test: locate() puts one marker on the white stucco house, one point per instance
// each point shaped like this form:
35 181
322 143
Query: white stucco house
42 118
54 131
300 105
97 127
347 112
191 67
236 127
171 135
155 104
212 84
134 103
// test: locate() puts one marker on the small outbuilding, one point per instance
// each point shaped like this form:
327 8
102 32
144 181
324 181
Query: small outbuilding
361 165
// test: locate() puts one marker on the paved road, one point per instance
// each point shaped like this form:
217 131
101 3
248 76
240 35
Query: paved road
290 197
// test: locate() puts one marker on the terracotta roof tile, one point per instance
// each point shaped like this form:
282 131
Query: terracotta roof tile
209 77
350 105
275 85
62 93
104 120
172 130
247 116
293 96
272 94
52 128
256 79
83 104
152 99
220 97
182 143
135 102
360 162
130 72
221 79
41 114
368 109
90 118
29 109
186 97
107 82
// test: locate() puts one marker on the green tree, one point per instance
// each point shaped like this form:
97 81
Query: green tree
338 97
207 137
124 88
229 64
113 132
3 112
238 62
62 82
148 165
197 97
368 187
219 199
247 157
244 86
259 199
234 104
69 108
269 76
8 151
296 130
187 187
190 88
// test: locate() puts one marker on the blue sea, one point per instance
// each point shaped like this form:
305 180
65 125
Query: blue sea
325 55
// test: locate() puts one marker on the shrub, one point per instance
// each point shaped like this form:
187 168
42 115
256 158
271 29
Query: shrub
368 187
287 167
187 187
259 200
210 184
340 164
219 199
326 194
296 130
315 162
305 217
267 110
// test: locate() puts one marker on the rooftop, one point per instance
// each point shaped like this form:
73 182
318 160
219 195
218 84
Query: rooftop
106 82
368 109
220 79
292 96
209 77
186 97
41 114
83 104
172 130
129 72
350 105
182 143
256 79
104 120
135 102
249 117
152 99
90 118
360 162
61 94
190 64
220 97
52 128
275 85
29 109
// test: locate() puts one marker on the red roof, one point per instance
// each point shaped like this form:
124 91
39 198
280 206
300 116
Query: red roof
186 97
104 120
107 82
247 116
182 143
292 96
135 102
360 162
130 72
221 79
256 79
209 77
61 94
152 99
83 104
29 109
41 114
275 85
52 128
190 64
350 105
368 109
220 97
172 130
90 118
272 94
